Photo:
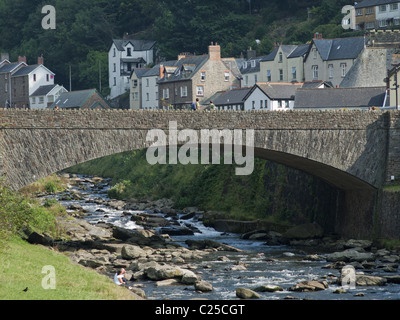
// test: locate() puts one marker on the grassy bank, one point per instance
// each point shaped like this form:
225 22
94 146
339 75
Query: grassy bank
21 263
21 267
272 193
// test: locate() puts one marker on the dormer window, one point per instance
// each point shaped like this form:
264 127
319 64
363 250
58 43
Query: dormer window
129 52
253 63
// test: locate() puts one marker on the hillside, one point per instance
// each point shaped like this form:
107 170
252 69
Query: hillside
85 29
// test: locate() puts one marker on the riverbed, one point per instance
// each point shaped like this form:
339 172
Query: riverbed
258 264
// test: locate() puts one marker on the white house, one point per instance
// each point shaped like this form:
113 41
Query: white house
387 13
271 96
123 57
45 96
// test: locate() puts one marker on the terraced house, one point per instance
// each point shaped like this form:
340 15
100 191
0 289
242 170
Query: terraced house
377 14
197 77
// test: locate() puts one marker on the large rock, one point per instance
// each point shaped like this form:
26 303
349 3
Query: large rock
131 252
210 244
307 286
352 243
189 277
367 280
203 286
268 288
304 231
159 272
244 293
350 255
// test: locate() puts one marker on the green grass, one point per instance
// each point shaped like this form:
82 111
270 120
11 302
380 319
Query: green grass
21 267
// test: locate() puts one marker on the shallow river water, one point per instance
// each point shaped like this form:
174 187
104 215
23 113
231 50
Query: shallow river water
282 266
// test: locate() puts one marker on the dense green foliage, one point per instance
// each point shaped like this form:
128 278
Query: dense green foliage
85 29
273 192
19 212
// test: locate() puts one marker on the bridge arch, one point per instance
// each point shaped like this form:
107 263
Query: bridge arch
347 149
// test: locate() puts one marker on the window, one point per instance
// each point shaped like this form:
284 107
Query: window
135 83
343 67
330 68
227 76
359 12
253 63
41 100
369 10
266 104
294 73
147 96
33 100
114 53
115 81
396 21
114 67
184 91
203 76
382 8
315 72
281 74
6 87
255 78
269 75
382 23
280 57
34 77
129 52
200 91
166 93
370 25
253 103
147 83
394 6
261 104
246 81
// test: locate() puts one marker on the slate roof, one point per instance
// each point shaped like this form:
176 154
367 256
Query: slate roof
139 72
249 68
337 98
155 71
138 45
372 3
179 74
271 56
299 51
235 96
278 91
73 99
339 49
9 67
43 90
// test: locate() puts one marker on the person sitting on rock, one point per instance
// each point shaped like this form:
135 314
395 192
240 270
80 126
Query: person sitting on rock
119 278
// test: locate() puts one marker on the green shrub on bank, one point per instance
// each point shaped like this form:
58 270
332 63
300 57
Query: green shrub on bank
19 212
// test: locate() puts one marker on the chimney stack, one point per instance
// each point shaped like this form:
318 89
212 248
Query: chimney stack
4 56
214 52
161 71
22 59
317 36
40 60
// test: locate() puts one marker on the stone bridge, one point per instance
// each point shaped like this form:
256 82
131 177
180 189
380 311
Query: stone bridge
356 151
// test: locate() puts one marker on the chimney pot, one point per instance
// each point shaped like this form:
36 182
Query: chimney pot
22 59
41 60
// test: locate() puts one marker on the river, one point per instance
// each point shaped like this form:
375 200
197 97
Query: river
282 266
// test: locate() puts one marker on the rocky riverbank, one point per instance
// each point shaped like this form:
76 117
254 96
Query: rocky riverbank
148 253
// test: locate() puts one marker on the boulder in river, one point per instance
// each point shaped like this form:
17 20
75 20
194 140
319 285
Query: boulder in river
244 293
210 244
307 286
350 255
